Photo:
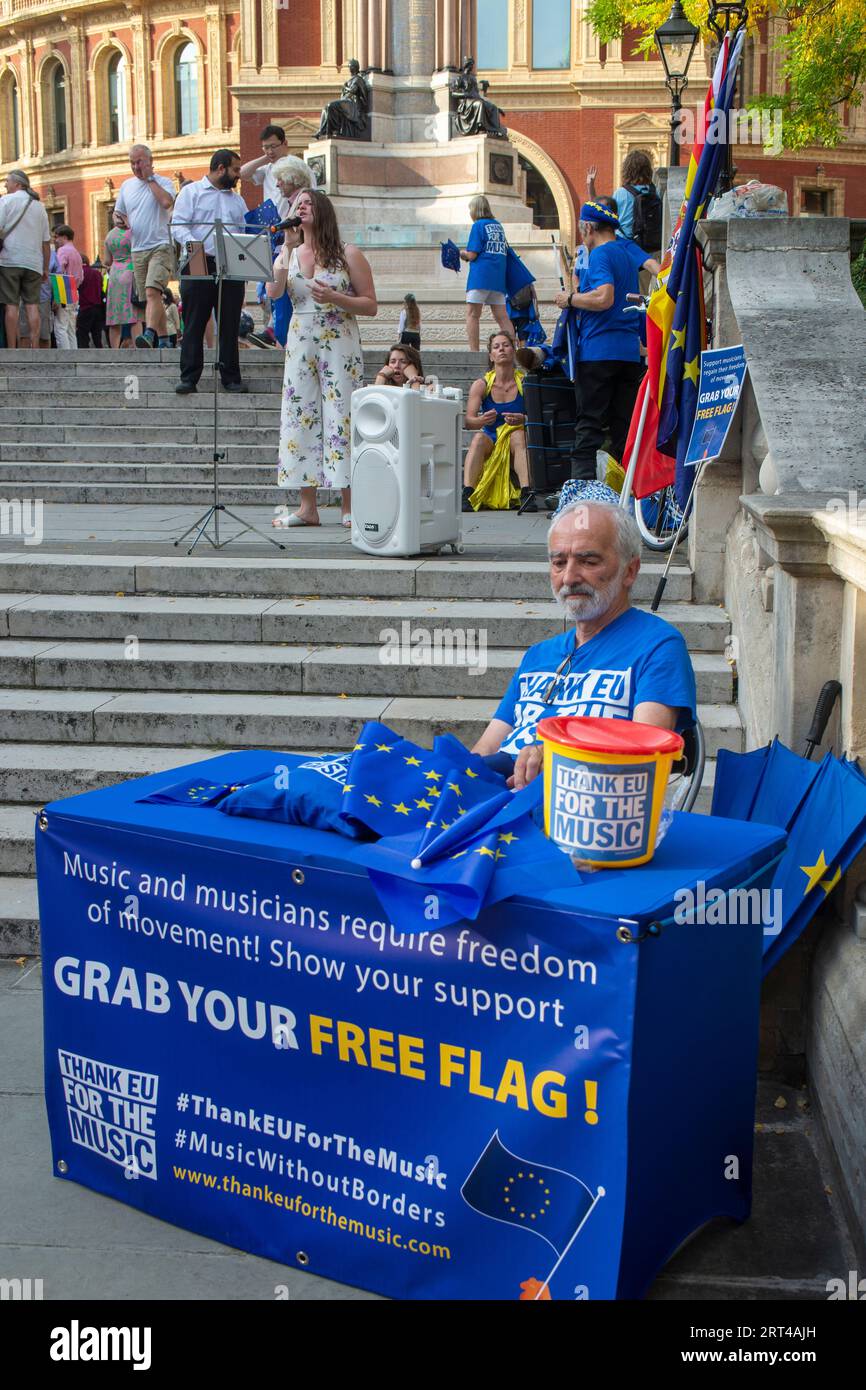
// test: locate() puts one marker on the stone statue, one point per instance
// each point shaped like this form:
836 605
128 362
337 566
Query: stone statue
348 118
475 115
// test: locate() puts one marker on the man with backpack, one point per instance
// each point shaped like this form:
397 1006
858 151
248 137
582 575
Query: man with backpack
638 205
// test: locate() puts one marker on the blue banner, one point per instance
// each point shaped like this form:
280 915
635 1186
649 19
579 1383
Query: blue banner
237 1040
723 371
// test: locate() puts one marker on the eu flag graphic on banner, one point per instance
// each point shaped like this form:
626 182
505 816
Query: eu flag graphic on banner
546 1201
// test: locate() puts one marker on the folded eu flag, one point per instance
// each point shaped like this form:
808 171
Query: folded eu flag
312 793
450 255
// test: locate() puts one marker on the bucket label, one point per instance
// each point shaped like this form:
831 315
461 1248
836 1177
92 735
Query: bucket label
601 812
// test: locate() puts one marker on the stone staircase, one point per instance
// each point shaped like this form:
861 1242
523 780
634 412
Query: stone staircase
116 666
120 655
106 427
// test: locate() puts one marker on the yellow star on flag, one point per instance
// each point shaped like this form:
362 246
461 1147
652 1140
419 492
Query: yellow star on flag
499 855
828 884
455 788
814 872
348 788
433 776
384 748
433 791
412 762
447 824
400 808
460 853
508 839
461 811
358 747
691 370
470 773
424 805
373 800
484 850
430 825
679 339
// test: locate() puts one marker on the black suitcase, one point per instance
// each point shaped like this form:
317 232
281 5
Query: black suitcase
551 416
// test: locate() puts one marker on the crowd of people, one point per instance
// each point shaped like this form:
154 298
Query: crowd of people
161 242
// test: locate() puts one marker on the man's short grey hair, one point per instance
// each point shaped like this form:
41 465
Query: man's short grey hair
146 148
293 170
628 541
18 176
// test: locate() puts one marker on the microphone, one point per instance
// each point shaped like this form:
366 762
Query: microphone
290 222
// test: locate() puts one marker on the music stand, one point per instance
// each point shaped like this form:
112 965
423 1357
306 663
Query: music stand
238 256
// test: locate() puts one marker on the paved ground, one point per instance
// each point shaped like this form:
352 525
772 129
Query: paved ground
83 1245
125 529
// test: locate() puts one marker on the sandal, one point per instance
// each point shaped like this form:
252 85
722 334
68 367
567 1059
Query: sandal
346 520
292 519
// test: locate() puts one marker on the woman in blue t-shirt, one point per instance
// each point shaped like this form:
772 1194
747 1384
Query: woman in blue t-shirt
486 253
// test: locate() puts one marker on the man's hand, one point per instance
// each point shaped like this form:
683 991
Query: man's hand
529 764
562 299
591 174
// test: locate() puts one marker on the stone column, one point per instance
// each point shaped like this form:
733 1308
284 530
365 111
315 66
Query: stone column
378 32
448 53
217 66
467 19
78 87
413 38
141 72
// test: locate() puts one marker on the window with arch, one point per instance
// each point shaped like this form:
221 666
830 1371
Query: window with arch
186 90
54 126
116 77
10 119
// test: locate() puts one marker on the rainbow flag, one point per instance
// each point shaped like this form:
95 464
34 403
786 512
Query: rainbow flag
64 289
675 328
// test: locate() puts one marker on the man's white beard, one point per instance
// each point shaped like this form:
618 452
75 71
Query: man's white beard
583 603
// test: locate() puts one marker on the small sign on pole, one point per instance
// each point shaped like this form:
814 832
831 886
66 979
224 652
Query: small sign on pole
722 373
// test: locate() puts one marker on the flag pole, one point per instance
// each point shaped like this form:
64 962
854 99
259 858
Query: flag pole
625 495
596 1199
557 256
660 587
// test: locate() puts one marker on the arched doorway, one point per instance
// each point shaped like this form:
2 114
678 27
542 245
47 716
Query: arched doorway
545 213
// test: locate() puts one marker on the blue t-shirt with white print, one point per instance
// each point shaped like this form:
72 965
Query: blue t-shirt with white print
487 239
636 659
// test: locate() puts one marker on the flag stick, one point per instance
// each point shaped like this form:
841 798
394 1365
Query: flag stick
660 587
595 1202
557 256
625 495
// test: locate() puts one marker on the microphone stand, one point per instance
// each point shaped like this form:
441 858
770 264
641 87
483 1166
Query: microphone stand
217 508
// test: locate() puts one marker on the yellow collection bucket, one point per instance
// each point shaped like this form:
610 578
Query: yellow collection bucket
604 787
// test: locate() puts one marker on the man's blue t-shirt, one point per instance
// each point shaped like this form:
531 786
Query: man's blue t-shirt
487 238
636 659
610 335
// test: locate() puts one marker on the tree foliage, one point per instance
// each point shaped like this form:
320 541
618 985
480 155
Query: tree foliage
822 48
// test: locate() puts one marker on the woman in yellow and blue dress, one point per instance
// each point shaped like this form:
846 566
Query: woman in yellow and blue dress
496 409
331 285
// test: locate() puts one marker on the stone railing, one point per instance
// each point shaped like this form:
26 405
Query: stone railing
779 537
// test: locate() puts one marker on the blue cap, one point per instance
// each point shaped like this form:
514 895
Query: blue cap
594 212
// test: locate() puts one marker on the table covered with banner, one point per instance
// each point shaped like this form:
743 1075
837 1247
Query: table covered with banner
543 1102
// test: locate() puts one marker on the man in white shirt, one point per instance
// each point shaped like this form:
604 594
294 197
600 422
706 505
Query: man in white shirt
146 201
261 171
199 205
25 255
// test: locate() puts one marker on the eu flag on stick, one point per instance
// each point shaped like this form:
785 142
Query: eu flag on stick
192 792
547 1201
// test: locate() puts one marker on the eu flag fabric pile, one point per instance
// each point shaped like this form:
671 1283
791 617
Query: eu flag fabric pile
451 838
823 808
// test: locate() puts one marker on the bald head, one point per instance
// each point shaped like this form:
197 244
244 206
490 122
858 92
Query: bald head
141 161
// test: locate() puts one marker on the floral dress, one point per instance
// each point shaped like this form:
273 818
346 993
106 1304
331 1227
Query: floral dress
324 365
121 279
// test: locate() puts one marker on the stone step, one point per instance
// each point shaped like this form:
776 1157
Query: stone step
149 494
19 917
35 572
252 721
261 669
36 773
17 830
165 452
95 365
309 621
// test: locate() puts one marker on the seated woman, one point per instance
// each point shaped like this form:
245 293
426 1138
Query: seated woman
402 367
496 409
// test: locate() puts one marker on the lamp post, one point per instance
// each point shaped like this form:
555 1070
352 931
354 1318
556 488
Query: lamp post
727 17
676 40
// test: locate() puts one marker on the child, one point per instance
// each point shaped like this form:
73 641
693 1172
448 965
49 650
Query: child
402 367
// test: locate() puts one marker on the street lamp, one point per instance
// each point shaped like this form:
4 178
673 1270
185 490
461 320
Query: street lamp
676 40
727 17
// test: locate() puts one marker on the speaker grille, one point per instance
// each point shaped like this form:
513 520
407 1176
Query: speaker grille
375 494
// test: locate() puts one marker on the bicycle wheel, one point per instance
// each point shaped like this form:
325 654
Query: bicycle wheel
658 518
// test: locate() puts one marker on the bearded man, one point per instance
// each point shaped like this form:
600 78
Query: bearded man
615 661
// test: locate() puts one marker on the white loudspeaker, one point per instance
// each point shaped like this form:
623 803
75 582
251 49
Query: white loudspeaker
406 470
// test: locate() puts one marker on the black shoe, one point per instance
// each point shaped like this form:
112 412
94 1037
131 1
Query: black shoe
147 339
467 505
185 388
240 388
527 500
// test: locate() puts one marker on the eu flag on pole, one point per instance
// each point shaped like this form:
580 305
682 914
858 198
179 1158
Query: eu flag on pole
547 1201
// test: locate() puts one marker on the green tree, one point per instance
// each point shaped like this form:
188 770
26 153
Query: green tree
823 56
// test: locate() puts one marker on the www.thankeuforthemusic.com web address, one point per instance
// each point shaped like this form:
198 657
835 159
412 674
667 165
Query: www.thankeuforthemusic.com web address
274 1162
